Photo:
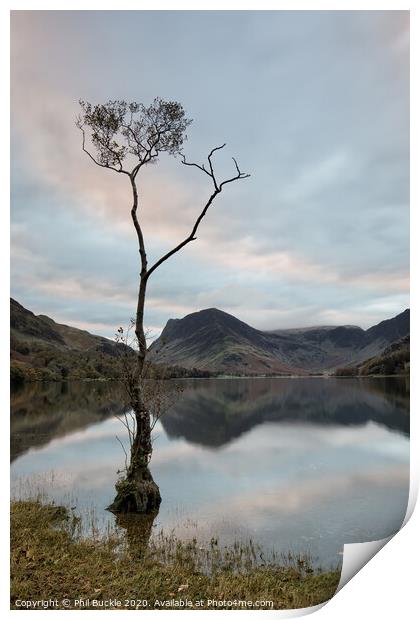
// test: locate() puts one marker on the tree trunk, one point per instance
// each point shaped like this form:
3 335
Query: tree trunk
138 492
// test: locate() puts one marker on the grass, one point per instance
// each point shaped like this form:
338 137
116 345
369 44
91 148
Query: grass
51 560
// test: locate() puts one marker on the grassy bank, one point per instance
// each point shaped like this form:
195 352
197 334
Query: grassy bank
51 561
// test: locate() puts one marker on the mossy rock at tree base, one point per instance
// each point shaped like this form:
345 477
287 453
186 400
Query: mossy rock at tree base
138 494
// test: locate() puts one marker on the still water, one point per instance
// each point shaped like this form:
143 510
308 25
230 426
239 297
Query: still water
301 465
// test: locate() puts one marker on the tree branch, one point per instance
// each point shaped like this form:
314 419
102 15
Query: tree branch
125 453
216 148
98 163
187 163
217 189
190 237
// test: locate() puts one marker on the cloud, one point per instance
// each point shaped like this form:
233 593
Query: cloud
373 463
316 109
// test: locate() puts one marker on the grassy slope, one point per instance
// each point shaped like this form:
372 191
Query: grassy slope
42 349
394 360
49 561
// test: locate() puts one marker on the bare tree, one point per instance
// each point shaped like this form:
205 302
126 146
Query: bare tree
158 393
125 138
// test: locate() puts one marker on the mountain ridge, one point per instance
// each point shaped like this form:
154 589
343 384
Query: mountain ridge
42 349
214 340
206 342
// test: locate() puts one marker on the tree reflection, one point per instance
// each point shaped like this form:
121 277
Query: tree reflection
211 412
138 530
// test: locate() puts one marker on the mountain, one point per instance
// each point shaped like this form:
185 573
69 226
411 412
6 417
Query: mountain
43 349
205 342
216 341
390 330
393 360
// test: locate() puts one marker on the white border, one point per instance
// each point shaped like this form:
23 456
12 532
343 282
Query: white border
387 585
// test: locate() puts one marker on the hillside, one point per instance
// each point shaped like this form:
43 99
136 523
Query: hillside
393 360
216 341
206 342
43 349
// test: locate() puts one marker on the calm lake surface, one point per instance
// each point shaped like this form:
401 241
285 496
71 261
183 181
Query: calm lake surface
304 464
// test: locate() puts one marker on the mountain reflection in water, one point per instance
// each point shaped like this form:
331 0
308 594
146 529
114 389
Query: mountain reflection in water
216 412
301 464
211 412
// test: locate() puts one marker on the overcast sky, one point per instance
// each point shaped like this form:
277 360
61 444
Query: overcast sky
315 105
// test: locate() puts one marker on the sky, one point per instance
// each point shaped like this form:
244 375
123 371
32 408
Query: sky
313 104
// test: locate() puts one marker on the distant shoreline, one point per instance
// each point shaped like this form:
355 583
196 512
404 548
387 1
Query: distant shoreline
224 377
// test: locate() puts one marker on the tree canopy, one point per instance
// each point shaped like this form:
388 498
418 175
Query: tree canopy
118 129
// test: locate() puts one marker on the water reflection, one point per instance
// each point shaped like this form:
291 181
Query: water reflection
41 412
138 530
303 465
212 412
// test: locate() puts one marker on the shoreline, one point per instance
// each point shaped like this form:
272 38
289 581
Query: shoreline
50 560
224 377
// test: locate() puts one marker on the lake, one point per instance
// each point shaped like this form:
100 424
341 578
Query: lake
295 464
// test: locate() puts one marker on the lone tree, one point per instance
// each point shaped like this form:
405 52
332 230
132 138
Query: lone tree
124 138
